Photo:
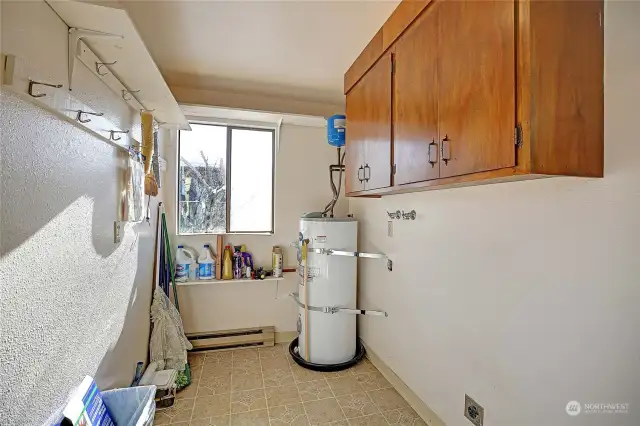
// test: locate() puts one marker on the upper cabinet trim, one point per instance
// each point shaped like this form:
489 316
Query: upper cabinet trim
403 16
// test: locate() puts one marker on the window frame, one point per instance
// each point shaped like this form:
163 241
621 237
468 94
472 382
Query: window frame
230 127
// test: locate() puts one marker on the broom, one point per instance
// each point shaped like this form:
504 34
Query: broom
150 184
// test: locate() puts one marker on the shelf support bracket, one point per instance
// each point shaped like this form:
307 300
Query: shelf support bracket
77 34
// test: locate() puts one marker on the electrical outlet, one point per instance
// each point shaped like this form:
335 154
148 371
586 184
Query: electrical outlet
473 411
118 231
390 228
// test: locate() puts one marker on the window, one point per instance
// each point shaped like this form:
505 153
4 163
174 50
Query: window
225 179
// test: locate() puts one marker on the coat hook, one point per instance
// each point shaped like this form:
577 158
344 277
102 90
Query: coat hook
113 132
80 112
39 95
100 64
128 92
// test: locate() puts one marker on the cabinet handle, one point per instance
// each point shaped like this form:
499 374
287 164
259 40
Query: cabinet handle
366 167
359 170
433 145
444 150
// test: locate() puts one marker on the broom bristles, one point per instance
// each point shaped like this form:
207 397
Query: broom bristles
150 185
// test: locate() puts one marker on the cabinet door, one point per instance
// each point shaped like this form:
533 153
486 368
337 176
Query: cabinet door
415 119
477 86
374 123
355 140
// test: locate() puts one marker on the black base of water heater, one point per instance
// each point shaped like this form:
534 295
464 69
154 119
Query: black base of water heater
326 367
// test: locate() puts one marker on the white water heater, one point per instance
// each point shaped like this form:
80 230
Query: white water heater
331 282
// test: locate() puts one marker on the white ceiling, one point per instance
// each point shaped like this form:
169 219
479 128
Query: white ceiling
294 49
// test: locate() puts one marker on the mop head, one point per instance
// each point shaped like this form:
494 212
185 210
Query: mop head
150 185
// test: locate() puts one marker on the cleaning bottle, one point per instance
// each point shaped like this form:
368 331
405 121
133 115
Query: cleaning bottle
184 260
227 267
205 264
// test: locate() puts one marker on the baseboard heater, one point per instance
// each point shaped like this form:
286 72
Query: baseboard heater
231 339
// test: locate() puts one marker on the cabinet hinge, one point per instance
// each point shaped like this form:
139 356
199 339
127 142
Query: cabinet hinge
394 169
517 137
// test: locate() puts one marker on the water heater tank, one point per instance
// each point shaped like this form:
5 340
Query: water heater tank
331 282
336 129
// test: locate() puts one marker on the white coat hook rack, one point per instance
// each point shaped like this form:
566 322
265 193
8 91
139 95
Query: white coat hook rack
36 83
127 95
75 36
104 64
112 134
17 78
87 120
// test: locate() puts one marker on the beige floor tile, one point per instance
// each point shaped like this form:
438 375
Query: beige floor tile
372 380
316 389
289 358
180 424
248 400
403 417
251 418
274 363
217 361
291 414
246 366
344 385
278 377
271 351
250 353
282 395
220 420
196 359
211 421
218 357
196 372
210 406
180 411
337 374
215 369
357 405
387 399
323 411
372 420
240 382
301 374
363 366
214 385
161 418
201 422
189 391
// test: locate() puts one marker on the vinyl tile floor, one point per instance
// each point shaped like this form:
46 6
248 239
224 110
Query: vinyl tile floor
265 387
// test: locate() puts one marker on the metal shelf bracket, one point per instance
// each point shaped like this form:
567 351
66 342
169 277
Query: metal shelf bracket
77 34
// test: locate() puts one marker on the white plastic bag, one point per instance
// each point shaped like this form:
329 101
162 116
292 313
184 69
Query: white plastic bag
169 345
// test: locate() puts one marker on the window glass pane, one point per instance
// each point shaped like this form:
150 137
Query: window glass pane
202 204
251 180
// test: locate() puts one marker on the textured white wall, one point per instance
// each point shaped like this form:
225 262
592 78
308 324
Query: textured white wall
302 185
523 295
72 302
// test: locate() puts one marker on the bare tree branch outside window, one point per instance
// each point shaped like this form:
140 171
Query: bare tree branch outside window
203 183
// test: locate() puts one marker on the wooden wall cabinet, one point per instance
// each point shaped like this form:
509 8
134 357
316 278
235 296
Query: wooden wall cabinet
461 92
368 158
